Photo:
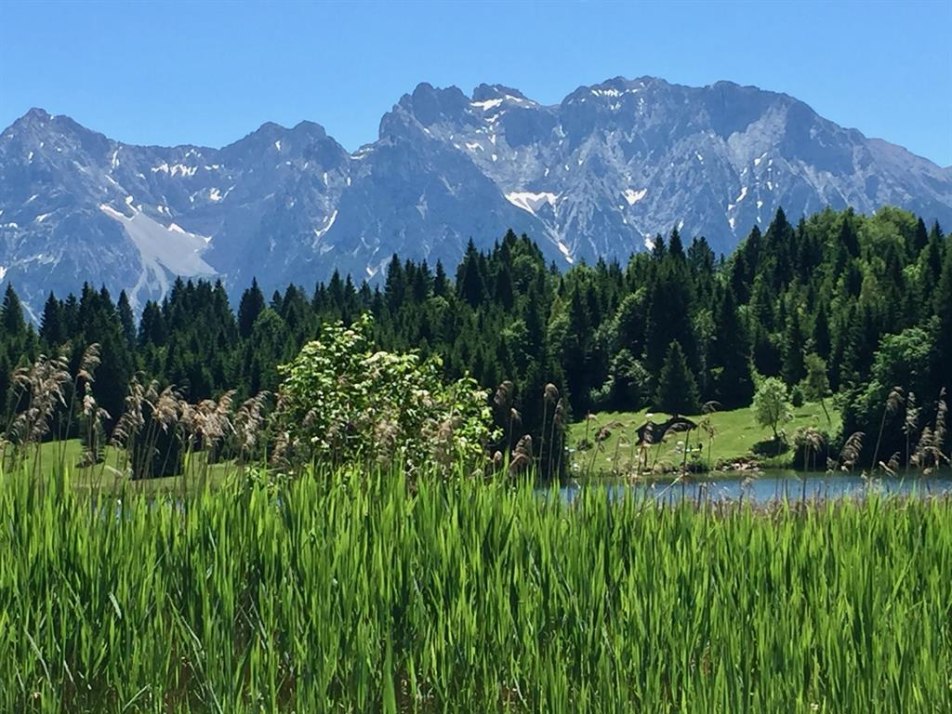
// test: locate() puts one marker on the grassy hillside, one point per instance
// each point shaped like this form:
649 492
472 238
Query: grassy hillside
733 436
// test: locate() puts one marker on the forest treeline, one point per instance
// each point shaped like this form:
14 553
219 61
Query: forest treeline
839 305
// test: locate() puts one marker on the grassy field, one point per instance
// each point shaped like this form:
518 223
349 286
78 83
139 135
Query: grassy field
56 456
343 593
735 436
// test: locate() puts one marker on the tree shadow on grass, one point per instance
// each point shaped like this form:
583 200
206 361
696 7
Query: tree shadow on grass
770 447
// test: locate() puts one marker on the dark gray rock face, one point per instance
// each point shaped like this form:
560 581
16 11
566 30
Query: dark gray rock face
597 175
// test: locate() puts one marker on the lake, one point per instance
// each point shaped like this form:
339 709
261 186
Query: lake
770 486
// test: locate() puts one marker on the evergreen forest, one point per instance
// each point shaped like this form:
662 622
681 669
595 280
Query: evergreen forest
852 310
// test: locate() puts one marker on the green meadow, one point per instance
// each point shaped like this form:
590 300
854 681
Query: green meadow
723 439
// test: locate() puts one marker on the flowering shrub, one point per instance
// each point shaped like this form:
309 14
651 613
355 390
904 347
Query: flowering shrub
344 402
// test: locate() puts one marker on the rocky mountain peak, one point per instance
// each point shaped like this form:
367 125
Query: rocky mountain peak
595 175
489 92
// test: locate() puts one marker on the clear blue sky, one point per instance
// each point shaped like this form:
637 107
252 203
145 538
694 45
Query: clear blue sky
210 72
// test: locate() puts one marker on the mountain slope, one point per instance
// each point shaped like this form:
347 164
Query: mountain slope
597 175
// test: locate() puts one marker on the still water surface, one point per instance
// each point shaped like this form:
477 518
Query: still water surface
771 486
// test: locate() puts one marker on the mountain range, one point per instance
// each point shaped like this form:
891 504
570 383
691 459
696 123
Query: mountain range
596 175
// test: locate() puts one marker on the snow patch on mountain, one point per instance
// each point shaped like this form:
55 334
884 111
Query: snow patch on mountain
531 201
633 196
488 104
175 169
321 232
163 250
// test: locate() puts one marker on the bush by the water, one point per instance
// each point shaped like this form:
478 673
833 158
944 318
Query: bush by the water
345 402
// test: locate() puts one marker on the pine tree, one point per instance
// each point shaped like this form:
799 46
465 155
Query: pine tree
11 314
628 324
577 351
675 246
730 355
52 327
440 281
395 286
821 332
502 289
677 388
767 355
152 327
250 307
470 283
849 236
669 319
794 346
920 238
942 360
126 319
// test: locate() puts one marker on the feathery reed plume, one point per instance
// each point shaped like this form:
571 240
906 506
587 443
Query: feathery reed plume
707 426
503 399
498 460
85 376
167 408
249 425
156 447
550 397
921 455
891 466
940 417
893 402
598 444
281 453
502 405
521 456
910 423
928 455
811 441
94 433
614 457
90 361
208 424
589 418
851 451
138 427
40 390
132 420
558 421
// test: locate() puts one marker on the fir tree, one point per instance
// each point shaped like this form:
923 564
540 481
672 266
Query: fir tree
942 360
250 307
821 332
677 388
793 369
11 314
730 356
126 319
470 283
52 327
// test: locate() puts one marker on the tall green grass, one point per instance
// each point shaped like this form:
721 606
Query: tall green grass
338 594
